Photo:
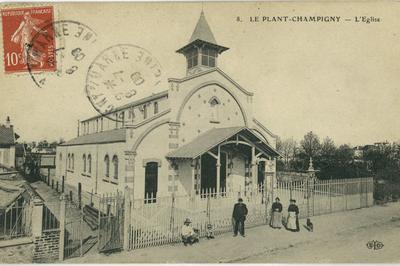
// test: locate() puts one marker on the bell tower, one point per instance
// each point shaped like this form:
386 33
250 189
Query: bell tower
202 50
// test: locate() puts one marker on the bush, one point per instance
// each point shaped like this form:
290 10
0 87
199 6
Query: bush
387 191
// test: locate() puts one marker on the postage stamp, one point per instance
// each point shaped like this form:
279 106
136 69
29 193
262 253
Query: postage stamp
118 75
74 45
19 27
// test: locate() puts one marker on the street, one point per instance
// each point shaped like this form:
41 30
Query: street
337 237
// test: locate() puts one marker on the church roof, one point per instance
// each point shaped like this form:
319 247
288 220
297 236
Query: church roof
109 136
202 31
216 136
202 34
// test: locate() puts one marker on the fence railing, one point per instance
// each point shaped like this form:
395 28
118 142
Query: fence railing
158 220
315 197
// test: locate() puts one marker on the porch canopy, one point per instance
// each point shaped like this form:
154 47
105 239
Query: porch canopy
217 136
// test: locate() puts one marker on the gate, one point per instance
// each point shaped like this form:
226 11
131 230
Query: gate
111 222
79 237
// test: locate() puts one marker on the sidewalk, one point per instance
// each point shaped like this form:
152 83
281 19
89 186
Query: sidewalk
258 240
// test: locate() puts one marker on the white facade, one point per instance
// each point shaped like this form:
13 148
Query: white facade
150 142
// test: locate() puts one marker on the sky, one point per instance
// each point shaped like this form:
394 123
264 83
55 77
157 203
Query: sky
336 79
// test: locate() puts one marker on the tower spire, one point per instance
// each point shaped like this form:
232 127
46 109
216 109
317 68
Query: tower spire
202 50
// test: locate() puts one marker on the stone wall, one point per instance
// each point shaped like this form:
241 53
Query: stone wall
47 247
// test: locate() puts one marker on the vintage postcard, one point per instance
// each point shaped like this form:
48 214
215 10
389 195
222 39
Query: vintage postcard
200 132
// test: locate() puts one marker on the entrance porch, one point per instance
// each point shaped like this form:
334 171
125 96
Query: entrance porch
224 160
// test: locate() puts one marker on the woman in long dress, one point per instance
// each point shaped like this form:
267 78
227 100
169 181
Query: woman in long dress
276 219
293 217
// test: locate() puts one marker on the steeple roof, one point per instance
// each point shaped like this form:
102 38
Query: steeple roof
202 34
202 31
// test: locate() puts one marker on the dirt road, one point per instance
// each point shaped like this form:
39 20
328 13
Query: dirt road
348 246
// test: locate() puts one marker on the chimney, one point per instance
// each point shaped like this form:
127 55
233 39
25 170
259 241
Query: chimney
8 122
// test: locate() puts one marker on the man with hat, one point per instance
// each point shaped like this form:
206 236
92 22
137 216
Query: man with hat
239 216
189 235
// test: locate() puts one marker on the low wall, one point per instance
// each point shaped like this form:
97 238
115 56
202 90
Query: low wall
19 250
47 247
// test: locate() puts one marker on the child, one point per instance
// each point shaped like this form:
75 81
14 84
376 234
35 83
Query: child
209 232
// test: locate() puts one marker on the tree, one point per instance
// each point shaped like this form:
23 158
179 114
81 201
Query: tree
287 148
310 145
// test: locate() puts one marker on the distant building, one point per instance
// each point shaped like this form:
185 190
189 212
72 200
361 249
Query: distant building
20 154
7 144
200 134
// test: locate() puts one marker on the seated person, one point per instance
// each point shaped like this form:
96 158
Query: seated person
209 232
189 235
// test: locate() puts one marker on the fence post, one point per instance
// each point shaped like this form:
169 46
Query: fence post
345 195
266 201
127 218
62 228
330 195
37 217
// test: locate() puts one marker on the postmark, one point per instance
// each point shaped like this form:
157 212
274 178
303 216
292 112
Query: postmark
119 75
74 46
19 27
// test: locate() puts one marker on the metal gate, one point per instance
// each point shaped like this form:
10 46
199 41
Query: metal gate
111 222
79 238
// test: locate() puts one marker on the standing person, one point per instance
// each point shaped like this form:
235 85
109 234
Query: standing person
276 219
239 216
293 217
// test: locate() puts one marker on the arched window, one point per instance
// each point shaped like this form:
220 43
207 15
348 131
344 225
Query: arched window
72 161
107 165
89 164
69 161
144 111
84 163
115 164
155 107
214 104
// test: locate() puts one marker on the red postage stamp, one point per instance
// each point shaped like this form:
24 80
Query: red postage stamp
22 51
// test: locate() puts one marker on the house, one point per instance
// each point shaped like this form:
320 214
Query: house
7 145
199 134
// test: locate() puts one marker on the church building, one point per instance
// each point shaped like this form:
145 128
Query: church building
198 134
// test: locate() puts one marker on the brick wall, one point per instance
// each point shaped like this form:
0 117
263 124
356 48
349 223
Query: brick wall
46 247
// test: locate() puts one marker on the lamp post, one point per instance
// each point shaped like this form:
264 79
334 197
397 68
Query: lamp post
310 185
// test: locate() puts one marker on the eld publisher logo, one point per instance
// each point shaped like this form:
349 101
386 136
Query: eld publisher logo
375 245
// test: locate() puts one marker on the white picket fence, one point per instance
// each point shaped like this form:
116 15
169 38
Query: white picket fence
158 220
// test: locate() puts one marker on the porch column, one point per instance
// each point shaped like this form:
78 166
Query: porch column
218 170
129 195
193 166
253 168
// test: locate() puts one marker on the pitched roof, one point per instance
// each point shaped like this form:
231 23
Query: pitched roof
109 136
215 136
140 101
6 135
202 31
201 35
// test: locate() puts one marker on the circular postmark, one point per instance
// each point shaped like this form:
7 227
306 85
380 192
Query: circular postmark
70 55
119 75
